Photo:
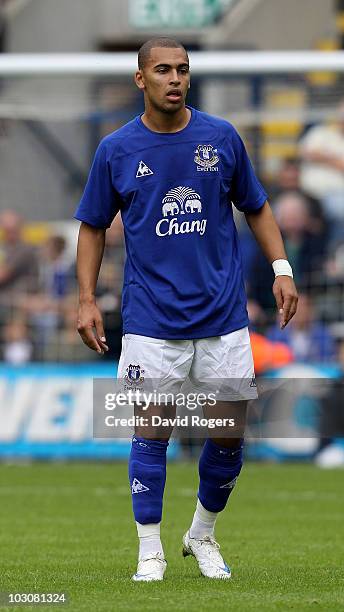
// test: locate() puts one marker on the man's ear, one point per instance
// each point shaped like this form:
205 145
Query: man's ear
139 79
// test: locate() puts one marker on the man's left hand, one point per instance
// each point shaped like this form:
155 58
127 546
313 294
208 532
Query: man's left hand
286 298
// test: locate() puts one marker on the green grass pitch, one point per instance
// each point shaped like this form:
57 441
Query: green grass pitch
69 527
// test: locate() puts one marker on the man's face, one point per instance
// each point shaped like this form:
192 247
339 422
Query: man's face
289 176
10 225
165 79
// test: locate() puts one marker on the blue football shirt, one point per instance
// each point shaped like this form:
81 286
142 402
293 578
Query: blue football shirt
183 273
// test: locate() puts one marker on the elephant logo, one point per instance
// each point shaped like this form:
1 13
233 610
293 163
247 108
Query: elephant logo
180 200
171 207
192 205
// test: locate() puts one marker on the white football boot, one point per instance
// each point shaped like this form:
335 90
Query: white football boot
150 568
207 555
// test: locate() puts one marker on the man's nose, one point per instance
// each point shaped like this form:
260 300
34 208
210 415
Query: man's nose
175 77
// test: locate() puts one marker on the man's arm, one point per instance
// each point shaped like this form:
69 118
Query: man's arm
89 257
266 231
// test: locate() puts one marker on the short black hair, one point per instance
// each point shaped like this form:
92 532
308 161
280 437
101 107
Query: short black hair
159 41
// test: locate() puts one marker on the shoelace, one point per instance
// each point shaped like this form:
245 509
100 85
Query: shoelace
154 558
210 540
210 544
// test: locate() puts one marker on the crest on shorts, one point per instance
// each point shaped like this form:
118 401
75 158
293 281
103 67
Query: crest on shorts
206 157
253 381
134 374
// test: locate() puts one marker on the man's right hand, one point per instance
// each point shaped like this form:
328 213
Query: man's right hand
90 327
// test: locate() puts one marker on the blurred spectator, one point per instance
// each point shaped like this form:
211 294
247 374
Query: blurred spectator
55 270
17 347
288 179
322 171
18 260
44 307
309 340
269 355
305 250
288 176
257 316
335 262
109 288
111 273
64 342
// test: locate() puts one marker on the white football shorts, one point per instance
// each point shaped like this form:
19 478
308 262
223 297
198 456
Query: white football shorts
197 365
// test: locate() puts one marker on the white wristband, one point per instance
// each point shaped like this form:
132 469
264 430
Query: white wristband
282 267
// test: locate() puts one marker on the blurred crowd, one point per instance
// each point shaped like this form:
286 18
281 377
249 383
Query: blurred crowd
307 197
38 292
38 295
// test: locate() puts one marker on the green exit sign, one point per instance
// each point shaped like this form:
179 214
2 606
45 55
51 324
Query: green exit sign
181 14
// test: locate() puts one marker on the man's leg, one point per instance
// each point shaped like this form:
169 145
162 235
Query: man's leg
147 476
221 459
162 365
225 362
219 467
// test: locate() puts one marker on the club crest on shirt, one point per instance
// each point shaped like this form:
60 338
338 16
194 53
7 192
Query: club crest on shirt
206 158
134 374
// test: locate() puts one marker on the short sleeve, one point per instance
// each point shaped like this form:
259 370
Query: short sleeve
247 193
100 203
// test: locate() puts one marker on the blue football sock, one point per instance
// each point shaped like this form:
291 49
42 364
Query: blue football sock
219 468
147 476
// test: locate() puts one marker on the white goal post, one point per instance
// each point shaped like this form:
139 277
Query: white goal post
203 63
